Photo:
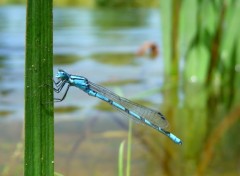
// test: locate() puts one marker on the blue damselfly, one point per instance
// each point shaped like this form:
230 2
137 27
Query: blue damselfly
137 112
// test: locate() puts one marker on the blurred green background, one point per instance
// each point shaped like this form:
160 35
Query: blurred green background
193 80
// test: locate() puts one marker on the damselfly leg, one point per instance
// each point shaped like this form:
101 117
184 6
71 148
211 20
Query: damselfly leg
59 86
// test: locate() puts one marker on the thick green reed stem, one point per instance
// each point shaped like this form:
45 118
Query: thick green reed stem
39 129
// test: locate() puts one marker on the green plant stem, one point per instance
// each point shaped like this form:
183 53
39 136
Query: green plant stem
176 5
120 158
129 147
39 129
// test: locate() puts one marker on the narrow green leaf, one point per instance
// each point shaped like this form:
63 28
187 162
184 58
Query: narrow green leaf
129 148
58 174
39 129
120 158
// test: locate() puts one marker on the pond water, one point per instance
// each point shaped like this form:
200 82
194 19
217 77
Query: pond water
98 44
101 45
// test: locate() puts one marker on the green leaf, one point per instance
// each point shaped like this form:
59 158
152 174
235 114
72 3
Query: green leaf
39 129
120 158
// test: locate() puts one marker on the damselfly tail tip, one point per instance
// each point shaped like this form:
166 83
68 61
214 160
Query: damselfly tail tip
180 143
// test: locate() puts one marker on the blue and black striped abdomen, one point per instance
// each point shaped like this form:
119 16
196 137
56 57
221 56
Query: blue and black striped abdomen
133 110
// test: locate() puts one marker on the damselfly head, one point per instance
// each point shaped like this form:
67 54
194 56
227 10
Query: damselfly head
61 74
